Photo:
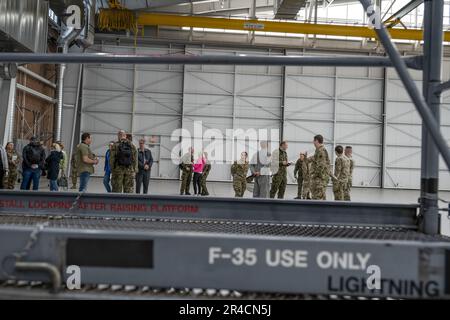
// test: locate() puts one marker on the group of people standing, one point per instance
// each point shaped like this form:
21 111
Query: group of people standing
312 173
35 164
126 166
195 170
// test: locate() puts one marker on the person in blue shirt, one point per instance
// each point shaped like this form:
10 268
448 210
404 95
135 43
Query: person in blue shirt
107 176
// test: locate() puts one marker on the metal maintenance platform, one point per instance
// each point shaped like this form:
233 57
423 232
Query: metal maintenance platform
165 246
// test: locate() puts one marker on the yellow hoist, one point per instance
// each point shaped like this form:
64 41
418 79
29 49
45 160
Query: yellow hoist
117 17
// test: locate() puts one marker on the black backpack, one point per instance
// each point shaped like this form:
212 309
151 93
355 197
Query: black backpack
34 154
124 154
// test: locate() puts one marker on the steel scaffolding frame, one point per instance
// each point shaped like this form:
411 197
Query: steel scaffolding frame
204 232
433 142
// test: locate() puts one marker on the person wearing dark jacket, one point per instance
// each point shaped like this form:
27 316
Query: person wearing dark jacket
107 169
52 164
145 162
33 162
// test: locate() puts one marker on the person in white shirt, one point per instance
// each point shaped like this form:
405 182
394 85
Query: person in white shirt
260 169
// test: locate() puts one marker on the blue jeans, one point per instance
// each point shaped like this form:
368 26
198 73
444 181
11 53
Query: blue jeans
53 185
106 181
30 174
84 179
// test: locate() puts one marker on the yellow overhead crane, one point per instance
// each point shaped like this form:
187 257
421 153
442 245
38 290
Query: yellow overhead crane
153 19
117 17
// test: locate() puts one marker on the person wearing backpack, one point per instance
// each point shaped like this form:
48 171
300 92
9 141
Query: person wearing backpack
33 163
124 164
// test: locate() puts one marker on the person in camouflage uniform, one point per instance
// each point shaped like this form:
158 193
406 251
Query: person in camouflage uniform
186 167
348 186
298 174
320 170
239 172
341 173
279 170
306 188
73 170
206 170
13 162
122 175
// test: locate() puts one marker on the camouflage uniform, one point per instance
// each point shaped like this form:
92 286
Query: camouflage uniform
122 177
279 179
186 173
348 185
298 174
239 172
206 170
73 171
320 173
306 192
341 176
11 179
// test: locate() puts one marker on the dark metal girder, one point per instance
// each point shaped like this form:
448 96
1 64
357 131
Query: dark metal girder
443 87
397 16
349 61
186 207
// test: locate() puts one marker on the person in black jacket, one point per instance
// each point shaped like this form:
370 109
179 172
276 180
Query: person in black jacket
33 163
52 164
145 162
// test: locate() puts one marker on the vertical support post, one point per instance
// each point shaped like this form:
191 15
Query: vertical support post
433 36
183 99
11 110
76 123
283 100
7 108
252 16
384 128
8 82
133 97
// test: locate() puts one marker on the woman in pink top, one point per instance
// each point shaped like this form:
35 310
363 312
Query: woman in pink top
198 169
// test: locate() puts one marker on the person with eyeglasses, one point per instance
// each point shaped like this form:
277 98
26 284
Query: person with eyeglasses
145 162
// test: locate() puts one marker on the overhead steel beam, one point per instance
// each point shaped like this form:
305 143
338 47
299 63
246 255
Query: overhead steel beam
443 87
153 19
104 58
232 11
37 77
407 8
288 9
172 3
36 94
428 118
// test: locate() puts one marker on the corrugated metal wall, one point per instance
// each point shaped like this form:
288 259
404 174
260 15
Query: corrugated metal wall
349 106
26 22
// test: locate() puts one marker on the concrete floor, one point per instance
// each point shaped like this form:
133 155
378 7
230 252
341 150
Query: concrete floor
225 189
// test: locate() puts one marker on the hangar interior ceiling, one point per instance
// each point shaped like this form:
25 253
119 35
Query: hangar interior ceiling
328 11
367 108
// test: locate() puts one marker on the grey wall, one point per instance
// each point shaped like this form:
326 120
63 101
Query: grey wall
350 106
